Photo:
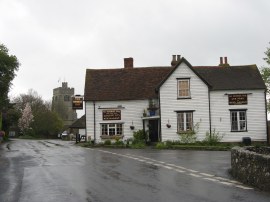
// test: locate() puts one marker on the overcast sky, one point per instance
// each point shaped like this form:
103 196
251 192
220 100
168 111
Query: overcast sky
57 40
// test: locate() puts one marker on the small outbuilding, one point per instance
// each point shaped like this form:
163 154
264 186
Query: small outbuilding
78 127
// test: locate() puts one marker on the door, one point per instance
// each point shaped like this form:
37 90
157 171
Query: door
153 130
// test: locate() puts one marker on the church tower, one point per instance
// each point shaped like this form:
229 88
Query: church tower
62 104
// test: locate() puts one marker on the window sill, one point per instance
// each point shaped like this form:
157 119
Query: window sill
186 132
238 131
111 137
183 98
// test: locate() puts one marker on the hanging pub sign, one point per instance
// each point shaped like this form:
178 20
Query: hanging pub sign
237 99
77 102
111 114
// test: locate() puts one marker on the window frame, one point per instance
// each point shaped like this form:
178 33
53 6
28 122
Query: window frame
236 122
179 80
186 124
111 129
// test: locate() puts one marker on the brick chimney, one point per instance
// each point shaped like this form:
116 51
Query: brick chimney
175 59
225 64
128 63
221 61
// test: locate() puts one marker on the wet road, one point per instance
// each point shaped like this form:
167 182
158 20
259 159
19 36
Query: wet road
58 171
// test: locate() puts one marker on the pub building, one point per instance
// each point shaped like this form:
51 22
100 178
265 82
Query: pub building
165 101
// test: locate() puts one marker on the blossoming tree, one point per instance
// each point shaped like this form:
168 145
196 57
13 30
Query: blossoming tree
26 119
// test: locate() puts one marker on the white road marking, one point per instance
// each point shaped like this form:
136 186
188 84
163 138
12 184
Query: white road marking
244 187
194 175
208 175
210 179
182 169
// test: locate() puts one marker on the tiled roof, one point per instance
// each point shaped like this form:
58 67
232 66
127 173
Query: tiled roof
232 78
123 84
79 123
141 83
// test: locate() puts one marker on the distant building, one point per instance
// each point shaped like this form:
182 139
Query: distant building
62 104
78 127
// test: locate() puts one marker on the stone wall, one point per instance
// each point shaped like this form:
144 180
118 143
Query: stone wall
250 167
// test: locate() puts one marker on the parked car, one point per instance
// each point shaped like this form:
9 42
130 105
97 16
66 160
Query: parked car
64 135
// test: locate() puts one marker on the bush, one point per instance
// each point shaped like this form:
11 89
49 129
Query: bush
162 145
188 137
212 139
107 142
139 135
138 145
139 139
118 142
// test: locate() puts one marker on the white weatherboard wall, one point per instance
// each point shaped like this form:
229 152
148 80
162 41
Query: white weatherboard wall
81 131
132 111
169 103
256 115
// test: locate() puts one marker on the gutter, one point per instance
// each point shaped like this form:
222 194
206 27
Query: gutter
94 122
267 129
209 106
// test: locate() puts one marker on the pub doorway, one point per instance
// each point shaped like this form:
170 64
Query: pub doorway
153 130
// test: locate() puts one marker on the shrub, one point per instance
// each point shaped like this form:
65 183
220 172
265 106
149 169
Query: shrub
188 137
139 139
162 145
107 142
213 138
119 142
139 135
138 145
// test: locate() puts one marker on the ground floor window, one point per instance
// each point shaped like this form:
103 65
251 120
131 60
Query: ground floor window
112 129
238 120
185 121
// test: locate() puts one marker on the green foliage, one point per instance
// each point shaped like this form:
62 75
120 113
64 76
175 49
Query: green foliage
212 139
267 53
139 139
118 141
1 120
139 136
10 117
46 123
107 142
265 72
162 145
137 145
86 144
8 65
188 137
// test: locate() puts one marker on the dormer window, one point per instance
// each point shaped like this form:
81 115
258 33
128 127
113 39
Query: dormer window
183 88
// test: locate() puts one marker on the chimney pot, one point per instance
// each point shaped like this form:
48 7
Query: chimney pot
128 63
226 60
174 62
221 61
178 57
